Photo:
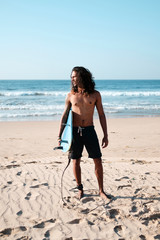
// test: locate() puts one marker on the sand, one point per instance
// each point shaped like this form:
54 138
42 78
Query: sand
30 184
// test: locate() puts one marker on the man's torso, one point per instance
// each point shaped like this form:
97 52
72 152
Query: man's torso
83 108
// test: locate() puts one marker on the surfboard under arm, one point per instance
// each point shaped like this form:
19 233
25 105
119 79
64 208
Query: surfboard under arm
66 139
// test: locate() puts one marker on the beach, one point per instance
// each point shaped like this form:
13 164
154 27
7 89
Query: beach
30 183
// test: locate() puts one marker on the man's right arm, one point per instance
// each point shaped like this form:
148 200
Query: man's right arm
64 116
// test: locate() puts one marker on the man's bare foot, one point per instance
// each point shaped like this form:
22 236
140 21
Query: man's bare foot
80 191
104 196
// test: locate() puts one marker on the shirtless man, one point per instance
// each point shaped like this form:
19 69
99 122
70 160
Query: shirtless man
84 98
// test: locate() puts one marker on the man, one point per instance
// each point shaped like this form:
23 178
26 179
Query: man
83 99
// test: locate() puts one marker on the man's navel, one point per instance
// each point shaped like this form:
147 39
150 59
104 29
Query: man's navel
83 121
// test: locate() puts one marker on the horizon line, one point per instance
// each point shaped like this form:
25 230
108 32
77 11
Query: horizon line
130 79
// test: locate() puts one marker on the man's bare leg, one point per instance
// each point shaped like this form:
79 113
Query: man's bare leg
99 175
77 175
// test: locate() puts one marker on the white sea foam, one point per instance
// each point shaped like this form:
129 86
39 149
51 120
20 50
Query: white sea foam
27 115
32 93
31 107
131 107
134 93
61 107
64 93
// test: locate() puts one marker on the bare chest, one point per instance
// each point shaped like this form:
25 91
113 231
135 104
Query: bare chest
81 101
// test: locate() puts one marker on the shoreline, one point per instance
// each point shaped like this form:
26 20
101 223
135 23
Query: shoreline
95 118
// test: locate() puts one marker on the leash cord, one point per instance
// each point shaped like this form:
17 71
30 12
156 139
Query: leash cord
69 160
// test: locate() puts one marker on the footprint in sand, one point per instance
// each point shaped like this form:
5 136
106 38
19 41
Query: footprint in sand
9 182
19 173
37 186
157 236
154 216
137 190
19 213
120 187
23 238
28 196
23 228
39 225
142 237
119 179
47 234
88 200
5 232
30 162
85 211
8 231
12 166
134 208
67 199
43 224
118 230
35 179
75 221
113 213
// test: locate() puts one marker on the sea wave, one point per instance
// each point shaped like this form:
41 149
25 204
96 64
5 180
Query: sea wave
130 93
31 107
31 93
28 115
131 107
52 115
64 93
55 108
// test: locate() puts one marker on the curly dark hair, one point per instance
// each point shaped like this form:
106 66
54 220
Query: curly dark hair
85 79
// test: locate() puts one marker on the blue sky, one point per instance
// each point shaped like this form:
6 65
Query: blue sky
45 39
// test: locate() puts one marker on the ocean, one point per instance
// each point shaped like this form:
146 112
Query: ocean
31 100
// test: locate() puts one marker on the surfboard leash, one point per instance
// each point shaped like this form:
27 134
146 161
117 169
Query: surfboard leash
69 160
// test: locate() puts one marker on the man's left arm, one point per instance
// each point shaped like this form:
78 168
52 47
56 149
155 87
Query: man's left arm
102 119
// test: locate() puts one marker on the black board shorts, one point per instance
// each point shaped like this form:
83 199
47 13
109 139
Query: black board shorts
85 136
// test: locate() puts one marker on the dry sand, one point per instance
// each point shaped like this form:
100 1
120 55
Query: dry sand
30 184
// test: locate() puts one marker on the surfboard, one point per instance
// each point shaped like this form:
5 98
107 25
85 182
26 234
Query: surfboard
66 139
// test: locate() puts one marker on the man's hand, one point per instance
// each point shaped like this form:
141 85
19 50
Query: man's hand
104 142
59 141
